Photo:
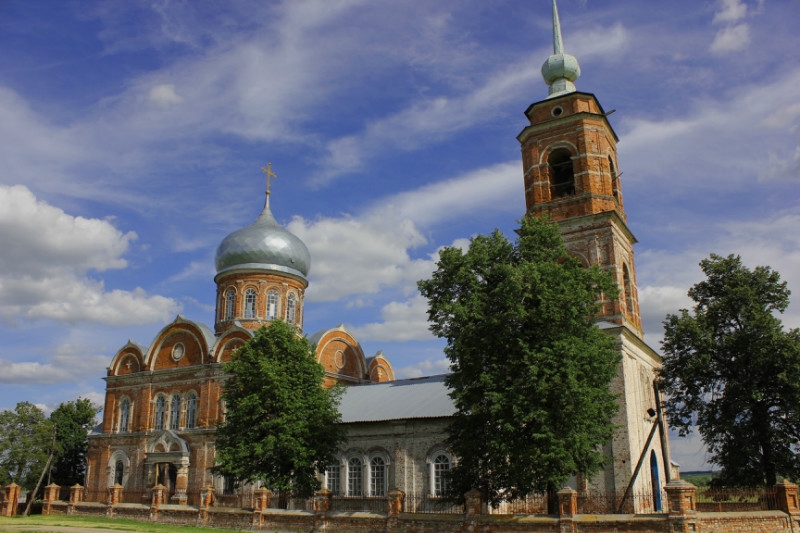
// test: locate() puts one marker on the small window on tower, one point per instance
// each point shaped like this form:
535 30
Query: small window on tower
291 309
614 178
250 303
230 302
272 304
562 174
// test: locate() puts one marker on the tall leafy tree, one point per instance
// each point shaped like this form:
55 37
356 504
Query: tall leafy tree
731 370
73 420
26 438
282 427
530 368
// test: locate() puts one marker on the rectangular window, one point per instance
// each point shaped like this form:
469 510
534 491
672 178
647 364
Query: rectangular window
354 477
334 479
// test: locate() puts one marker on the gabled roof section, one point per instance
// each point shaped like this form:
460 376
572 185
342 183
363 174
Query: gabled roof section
397 400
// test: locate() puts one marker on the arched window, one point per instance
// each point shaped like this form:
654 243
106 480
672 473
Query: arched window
439 469
291 309
333 479
124 415
655 481
119 473
161 412
175 411
377 477
614 178
230 304
191 411
354 477
562 173
627 289
272 304
250 303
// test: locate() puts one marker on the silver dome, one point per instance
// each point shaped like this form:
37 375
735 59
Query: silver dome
263 245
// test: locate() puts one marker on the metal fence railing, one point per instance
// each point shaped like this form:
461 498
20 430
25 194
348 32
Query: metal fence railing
423 503
732 499
374 504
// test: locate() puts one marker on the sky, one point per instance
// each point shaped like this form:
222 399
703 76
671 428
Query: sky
132 136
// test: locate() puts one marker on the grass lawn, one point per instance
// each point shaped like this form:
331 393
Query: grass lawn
39 523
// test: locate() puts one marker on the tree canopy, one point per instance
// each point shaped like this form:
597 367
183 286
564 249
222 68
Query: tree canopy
731 370
26 438
530 368
73 421
281 427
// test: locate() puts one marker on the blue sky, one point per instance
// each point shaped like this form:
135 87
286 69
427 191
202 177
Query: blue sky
132 134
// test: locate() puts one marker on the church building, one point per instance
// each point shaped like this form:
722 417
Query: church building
163 401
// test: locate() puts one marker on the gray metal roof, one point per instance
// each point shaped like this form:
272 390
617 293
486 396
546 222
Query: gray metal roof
263 245
397 400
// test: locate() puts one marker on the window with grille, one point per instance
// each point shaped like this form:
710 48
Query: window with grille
354 477
175 411
250 303
124 415
161 412
291 309
230 304
191 411
333 479
441 466
272 304
377 479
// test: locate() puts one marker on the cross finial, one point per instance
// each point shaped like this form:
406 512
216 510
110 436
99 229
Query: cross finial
267 170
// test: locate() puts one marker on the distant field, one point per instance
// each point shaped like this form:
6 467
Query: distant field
84 524
698 479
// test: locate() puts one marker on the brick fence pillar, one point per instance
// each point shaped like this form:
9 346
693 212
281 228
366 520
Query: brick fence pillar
396 502
567 502
75 497
682 505
263 497
115 494
10 500
207 497
473 502
322 504
50 495
786 496
156 500
261 501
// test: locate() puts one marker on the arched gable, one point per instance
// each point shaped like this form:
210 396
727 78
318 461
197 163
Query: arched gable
340 353
129 359
233 339
380 369
180 344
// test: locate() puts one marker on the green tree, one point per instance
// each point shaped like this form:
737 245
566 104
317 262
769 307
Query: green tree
26 438
282 427
530 368
73 420
731 370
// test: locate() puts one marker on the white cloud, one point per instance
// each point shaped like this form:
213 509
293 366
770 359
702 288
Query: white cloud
72 361
723 143
46 256
730 11
731 39
401 321
429 367
164 95
357 255
495 187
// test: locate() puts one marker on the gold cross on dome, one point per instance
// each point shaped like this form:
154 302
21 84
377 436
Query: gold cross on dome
269 173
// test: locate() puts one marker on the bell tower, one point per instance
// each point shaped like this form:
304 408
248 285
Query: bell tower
569 158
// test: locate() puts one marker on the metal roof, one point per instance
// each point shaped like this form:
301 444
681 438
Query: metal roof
397 400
